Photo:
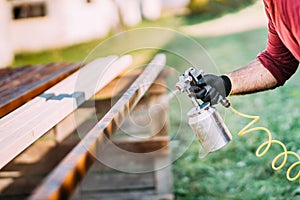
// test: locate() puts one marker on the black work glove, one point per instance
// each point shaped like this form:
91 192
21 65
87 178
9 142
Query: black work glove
220 85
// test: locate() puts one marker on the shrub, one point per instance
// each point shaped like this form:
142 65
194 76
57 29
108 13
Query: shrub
217 7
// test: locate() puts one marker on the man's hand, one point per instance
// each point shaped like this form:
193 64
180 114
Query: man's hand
218 86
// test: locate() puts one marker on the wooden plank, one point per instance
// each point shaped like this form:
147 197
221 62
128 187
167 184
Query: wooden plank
129 162
23 126
7 74
42 156
112 182
31 173
163 175
121 83
63 180
146 194
140 145
109 186
19 88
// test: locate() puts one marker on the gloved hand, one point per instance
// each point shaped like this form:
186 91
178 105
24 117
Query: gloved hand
220 85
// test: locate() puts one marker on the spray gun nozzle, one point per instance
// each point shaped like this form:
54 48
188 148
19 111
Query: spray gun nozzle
180 86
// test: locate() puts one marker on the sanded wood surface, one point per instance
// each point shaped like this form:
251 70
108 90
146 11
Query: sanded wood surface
23 126
63 180
19 85
119 85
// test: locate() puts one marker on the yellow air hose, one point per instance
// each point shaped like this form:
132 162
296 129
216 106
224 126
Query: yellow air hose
264 147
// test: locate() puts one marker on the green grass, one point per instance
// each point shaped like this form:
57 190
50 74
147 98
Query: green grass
73 53
233 172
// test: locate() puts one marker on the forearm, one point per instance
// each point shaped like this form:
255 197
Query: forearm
254 77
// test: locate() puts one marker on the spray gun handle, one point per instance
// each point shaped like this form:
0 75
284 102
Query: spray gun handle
192 75
221 99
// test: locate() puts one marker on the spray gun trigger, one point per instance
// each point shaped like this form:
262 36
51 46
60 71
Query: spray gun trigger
200 93
201 82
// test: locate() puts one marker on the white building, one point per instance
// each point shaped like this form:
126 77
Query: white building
6 51
34 25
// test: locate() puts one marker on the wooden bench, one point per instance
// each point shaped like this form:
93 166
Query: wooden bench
17 86
52 114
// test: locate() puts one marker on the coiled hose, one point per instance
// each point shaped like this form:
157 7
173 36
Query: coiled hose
264 147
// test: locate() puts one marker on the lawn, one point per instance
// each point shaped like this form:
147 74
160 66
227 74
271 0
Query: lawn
233 172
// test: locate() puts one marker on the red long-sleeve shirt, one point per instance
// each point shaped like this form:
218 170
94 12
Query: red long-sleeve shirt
282 54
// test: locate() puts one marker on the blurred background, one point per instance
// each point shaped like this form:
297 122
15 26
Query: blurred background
41 25
232 32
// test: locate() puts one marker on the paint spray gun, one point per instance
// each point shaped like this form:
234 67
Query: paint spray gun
204 119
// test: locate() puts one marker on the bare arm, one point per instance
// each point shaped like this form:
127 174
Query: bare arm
254 77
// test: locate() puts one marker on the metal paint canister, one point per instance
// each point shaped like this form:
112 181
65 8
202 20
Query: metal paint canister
209 127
